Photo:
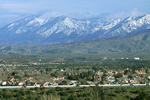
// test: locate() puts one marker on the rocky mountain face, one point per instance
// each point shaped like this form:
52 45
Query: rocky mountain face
38 29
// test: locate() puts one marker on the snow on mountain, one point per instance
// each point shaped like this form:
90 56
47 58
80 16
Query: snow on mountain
44 29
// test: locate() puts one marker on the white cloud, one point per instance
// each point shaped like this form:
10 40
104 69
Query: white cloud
122 14
45 14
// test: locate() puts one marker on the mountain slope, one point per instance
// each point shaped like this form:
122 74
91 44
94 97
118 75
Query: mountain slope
139 43
39 29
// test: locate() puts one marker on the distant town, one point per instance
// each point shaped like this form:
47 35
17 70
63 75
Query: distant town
53 75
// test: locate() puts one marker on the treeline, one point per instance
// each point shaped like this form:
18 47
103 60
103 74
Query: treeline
14 58
84 93
79 66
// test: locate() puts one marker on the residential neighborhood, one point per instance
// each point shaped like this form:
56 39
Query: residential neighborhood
55 77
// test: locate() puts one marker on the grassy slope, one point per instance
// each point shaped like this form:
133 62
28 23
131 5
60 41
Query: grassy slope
139 43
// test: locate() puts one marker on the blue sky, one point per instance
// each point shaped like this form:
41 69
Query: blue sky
12 10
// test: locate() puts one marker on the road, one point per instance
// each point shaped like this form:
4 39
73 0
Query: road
104 85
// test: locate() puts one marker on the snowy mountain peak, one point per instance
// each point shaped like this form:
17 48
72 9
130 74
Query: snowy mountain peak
36 20
61 29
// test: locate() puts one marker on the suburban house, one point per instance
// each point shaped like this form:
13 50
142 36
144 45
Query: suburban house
9 81
58 78
140 72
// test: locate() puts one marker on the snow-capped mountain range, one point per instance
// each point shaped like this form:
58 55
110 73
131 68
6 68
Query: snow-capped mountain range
39 29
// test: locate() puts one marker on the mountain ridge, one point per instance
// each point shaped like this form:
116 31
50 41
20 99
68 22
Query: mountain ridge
44 30
138 43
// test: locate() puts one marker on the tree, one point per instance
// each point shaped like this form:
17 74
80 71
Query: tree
126 72
142 96
147 71
26 74
17 77
119 75
73 77
130 76
48 69
14 73
73 97
63 83
41 71
90 73
103 79
64 93
84 83
95 68
18 95
99 93
53 75
36 88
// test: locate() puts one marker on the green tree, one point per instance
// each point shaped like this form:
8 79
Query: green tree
119 75
14 73
64 93
73 97
73 77
17 77
53 75
130 76
99 93
95 68
142 96
103 79
63 83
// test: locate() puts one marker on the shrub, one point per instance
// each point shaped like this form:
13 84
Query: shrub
64 93
73 97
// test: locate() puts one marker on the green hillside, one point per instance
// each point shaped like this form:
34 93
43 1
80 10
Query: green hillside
139 43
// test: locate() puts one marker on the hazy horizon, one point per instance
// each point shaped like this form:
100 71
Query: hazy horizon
16 9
